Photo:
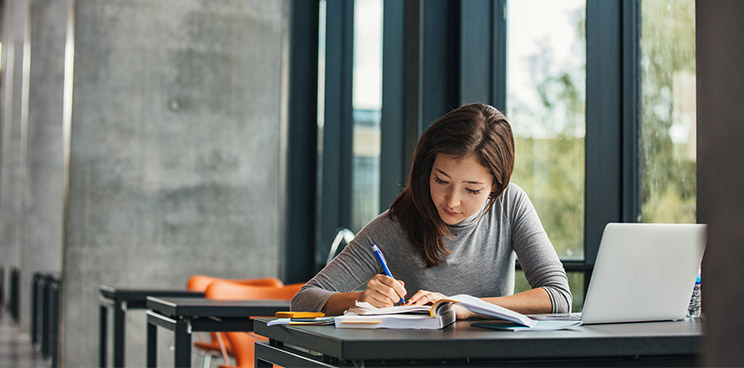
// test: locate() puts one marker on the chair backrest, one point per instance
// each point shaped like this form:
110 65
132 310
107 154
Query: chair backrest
228 290
200 282
243 343
343 238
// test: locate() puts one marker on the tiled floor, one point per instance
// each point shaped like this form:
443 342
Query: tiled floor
15 346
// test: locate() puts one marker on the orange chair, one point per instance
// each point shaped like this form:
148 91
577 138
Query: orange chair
200 282
211 346
242 343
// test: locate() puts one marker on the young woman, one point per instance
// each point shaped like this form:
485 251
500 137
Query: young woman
455 229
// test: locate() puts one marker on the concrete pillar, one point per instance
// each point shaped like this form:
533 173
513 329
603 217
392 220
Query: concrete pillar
176 153
42 225
15 57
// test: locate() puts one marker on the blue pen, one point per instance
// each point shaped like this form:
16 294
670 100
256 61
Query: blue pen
381 258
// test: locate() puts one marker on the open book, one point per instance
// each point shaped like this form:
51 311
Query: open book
438 315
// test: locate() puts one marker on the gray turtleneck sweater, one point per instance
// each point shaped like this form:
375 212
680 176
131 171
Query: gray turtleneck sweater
481 262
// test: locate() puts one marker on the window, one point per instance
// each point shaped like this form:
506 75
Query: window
600 94
668 121
546 73
349 104
367 104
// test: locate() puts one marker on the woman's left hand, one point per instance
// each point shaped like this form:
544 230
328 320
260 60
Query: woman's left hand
423 297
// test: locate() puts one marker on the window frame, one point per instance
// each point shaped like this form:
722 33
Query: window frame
334 206
612 121
302 138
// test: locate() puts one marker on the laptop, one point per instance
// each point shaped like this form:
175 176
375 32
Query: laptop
643 272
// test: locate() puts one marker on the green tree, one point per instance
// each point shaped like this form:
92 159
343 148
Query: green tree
667 77
550 154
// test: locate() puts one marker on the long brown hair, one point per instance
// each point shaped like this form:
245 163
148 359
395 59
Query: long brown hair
476 129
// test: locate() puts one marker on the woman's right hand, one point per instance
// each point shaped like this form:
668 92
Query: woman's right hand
383 291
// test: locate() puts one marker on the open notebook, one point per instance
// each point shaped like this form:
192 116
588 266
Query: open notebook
438 315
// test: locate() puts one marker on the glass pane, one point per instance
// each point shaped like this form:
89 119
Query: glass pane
367 102
575 283
546 73
668 159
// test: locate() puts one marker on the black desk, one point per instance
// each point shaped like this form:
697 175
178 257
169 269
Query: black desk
186 315
652 343
120 300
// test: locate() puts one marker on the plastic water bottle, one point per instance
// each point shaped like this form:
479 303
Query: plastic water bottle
693 310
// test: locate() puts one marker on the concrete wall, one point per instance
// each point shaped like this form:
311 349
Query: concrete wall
176 152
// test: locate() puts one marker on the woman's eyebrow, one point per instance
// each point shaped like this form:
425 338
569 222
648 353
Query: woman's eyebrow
443 173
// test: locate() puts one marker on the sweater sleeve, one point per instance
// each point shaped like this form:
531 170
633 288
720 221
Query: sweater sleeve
535 252
351 268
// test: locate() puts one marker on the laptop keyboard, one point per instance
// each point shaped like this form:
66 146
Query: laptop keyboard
576 316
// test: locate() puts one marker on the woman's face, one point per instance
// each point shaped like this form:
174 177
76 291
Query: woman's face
459 188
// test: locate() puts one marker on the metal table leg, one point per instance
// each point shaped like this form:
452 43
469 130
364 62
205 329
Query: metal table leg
102 335
45 318
152 344
183 344
119 334
34 309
